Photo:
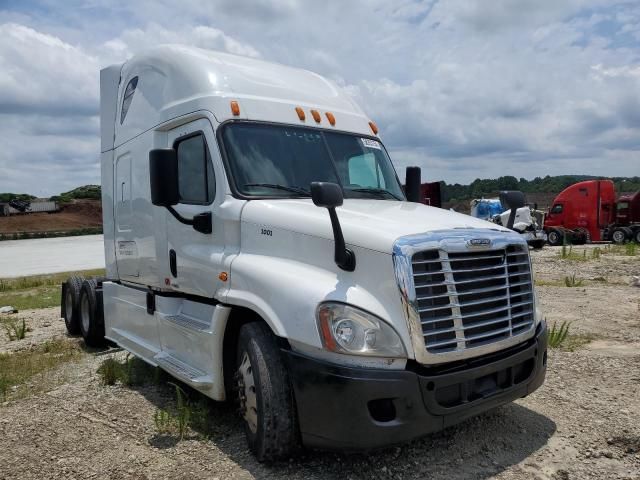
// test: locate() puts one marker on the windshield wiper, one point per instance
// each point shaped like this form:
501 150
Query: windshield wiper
378 191
298 190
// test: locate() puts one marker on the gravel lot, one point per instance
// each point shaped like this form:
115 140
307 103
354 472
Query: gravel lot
584 423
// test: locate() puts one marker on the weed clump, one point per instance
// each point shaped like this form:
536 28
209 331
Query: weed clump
15 330
130 372
557 336
572 281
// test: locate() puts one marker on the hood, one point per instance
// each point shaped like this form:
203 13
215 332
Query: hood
372 224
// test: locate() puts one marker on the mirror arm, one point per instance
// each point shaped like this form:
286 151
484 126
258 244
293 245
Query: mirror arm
344 257
179 217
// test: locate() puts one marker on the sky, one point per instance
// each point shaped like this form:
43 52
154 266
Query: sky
463 88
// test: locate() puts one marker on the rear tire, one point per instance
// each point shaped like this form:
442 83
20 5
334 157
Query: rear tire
91 314
619 236
266 397
555 238
71 304
636 235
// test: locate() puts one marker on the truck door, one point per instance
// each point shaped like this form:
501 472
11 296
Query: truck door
126 248
555 217
195 258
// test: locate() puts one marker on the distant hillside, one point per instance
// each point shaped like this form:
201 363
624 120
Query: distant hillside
87 192
5 197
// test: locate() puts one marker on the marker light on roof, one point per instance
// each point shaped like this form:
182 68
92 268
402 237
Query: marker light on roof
316 116
300 113
331 118
235 108
374 128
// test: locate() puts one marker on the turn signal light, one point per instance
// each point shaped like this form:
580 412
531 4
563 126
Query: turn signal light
374 128
316 115
235 108
300 113
224 276
331 118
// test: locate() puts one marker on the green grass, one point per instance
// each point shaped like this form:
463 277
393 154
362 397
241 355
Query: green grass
567 253
186 415
129 371
32 371
54 279
575 341
628 249
189 413
40 291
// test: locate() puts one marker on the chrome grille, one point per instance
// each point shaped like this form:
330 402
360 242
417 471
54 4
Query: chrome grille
472 298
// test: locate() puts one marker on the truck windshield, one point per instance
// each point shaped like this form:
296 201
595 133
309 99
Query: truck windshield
282 161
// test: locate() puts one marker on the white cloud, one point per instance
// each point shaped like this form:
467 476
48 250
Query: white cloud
41 73
466 88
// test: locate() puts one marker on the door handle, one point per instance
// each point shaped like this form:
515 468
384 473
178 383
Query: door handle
173 263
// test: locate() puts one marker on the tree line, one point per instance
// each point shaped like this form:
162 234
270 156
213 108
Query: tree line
549 184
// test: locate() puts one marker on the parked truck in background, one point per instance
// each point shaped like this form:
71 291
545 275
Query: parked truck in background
589 212
259 248
528 220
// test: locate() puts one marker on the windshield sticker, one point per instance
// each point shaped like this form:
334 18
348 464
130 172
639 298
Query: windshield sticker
367 142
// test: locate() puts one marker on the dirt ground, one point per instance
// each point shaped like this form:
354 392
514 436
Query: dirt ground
73 216
584 422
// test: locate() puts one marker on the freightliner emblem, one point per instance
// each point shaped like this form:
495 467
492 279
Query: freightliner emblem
479 242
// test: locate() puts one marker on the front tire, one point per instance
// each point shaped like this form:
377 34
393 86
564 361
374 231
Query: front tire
266 397
555 238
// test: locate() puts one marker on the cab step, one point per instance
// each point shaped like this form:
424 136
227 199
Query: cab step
189 322
191 375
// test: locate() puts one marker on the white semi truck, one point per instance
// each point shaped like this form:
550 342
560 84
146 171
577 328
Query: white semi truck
259 248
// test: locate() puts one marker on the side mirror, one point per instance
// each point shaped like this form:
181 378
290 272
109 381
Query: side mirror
163 174
326 195
413 181
513 200
329 196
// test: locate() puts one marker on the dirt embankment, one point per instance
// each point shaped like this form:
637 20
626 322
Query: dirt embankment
73 216
583 423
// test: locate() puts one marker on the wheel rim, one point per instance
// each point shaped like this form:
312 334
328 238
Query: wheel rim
84 309
553 237
247 393
68 306
618 237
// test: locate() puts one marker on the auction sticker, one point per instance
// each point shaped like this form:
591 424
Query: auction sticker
369 143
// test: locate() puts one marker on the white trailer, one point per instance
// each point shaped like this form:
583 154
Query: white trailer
259 247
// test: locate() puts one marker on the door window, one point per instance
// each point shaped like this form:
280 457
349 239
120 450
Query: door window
196 180
557 208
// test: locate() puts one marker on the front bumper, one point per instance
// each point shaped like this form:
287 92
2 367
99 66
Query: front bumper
360 408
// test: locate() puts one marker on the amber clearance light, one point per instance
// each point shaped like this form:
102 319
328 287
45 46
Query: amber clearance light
316 115
374 128
235 108
331 118
300 113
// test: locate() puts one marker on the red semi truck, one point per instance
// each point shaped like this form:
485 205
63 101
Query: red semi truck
588 212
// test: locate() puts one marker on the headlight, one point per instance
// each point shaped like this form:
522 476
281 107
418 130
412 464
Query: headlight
537 311
346 329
